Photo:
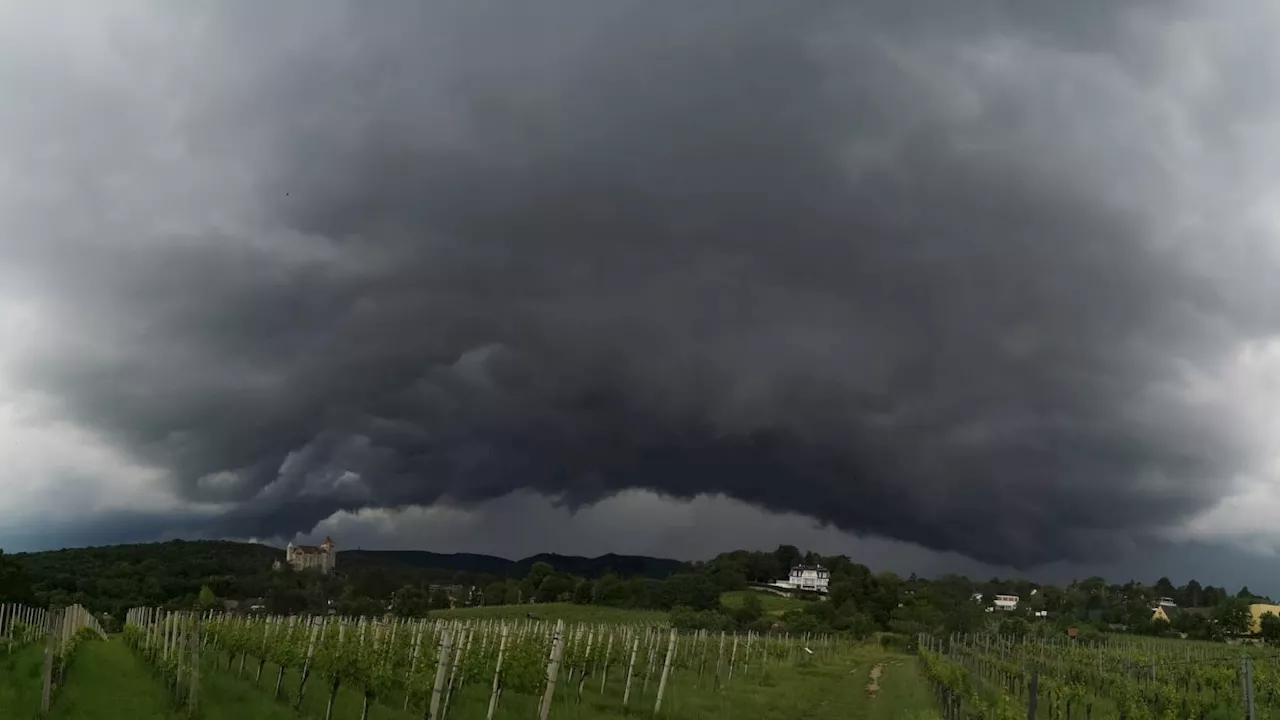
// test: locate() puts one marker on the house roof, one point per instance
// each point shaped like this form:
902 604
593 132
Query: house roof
309 550
807 567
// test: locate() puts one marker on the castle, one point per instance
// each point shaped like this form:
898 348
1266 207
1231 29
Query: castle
310 557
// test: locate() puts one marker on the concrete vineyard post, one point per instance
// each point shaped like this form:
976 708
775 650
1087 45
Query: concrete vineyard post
733 657
719 660
666 672
413 661
586 663
442 662
456 661
604 671
631 670
497 675
553 670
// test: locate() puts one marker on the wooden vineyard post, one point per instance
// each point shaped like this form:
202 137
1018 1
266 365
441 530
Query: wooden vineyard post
1246 680
631 671
442 664
194 691
497 675
1033 689
553 670
51 628
666 672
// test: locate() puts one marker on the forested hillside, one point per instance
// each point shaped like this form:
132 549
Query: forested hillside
199 575
115 578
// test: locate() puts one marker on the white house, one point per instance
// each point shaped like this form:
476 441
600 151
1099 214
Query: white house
1006 602
810 577
1167 602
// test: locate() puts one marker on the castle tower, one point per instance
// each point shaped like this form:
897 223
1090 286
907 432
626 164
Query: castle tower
330 554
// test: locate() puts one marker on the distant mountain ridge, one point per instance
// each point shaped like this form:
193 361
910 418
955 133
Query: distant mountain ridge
115 578
593 567
241 555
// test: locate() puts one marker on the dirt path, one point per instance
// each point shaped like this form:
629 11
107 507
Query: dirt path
873 686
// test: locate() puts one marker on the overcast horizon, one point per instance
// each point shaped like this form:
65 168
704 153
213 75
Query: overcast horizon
969 287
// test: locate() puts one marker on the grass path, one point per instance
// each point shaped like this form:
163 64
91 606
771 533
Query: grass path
889 687
107 682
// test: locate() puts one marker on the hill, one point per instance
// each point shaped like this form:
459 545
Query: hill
621 565
116 577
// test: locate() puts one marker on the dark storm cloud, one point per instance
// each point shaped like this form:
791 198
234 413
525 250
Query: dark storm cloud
906 273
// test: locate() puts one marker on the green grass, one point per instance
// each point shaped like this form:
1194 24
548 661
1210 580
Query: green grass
903 694
106 682
20 684
826 689
772 604
568 612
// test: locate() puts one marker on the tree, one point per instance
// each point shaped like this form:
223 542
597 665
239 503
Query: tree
1192 595
788 556
409 601
207 600
749 611
582 594
15 586
440 600
538 572
1270 628
496 594
1232 616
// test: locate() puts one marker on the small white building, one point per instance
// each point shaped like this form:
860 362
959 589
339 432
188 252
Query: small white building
1167 602
1006 602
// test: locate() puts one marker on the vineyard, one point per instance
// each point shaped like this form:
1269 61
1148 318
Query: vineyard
479 668
43 642
994 678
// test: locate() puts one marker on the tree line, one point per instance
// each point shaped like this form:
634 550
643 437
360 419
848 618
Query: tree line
183 575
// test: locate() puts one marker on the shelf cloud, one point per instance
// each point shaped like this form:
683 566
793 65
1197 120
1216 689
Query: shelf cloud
989 281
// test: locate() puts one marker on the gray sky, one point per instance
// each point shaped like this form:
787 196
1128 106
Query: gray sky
963 287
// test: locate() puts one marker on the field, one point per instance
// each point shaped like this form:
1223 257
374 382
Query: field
1121 677
569 612
180 665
